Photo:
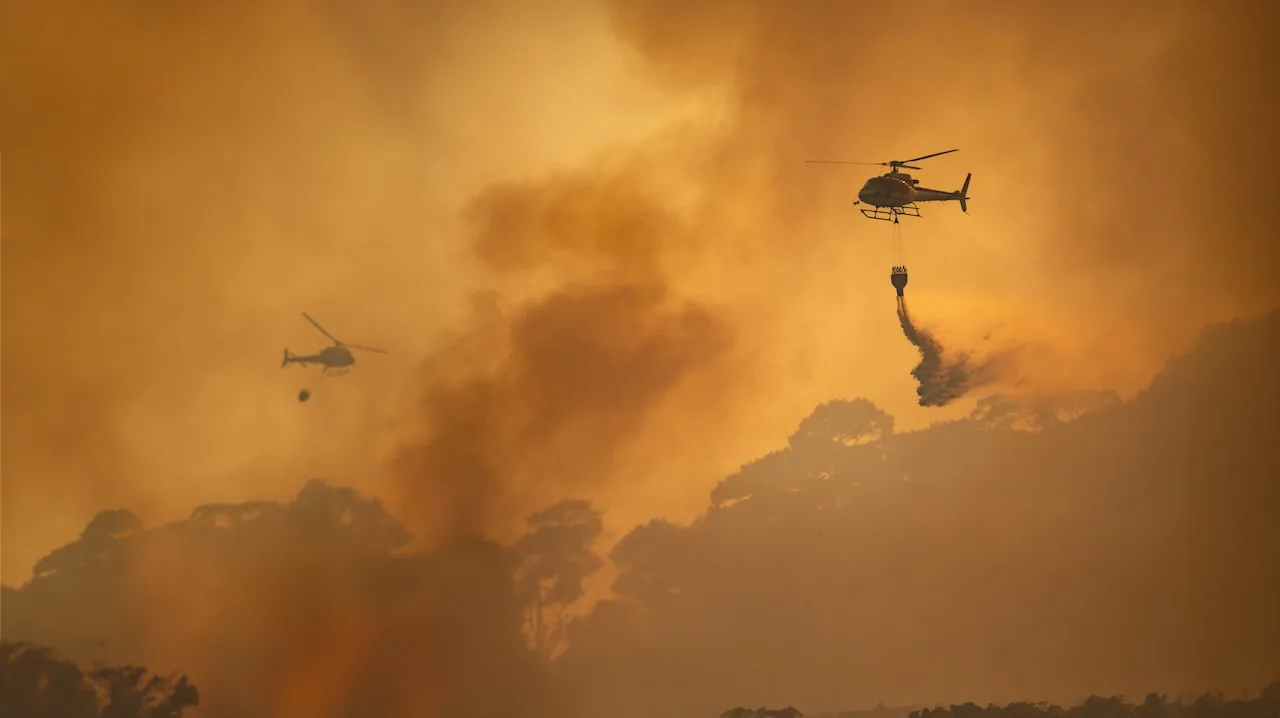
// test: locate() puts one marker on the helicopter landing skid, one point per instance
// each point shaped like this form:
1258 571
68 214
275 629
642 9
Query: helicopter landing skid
891 214
335 372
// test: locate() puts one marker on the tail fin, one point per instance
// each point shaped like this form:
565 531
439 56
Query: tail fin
285 363
964 194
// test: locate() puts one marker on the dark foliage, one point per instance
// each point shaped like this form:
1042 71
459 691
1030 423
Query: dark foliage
1045 547
1265 705
274 593
1118 544
35 684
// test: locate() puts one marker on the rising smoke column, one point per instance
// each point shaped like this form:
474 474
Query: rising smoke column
942 380
565 379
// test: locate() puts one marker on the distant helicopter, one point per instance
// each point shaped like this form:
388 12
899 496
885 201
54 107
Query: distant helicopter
895 193
335 359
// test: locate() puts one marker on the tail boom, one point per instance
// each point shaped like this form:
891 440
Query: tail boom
924 194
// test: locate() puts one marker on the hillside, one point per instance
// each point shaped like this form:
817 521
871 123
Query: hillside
1130 550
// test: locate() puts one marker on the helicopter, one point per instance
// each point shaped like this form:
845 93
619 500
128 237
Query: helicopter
336 359
895 194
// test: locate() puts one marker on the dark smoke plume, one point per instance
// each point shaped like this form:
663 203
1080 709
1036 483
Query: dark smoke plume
572 375
942 380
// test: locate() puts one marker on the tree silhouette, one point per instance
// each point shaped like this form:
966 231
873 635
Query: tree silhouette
969 556
272 593
961 560
762 712
553 558
34 684
1208 705
97 543
842 423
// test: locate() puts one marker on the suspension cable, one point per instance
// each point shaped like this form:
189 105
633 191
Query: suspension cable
899 256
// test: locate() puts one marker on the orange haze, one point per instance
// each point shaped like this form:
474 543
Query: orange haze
586 236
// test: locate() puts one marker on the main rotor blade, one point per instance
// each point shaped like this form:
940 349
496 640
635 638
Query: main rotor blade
368 349
316 324
843 162
935 154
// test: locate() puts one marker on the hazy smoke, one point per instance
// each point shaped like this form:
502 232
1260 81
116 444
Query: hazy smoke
161 235
582 364
942 379
179 179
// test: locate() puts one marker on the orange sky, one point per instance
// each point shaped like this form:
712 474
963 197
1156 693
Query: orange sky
180 184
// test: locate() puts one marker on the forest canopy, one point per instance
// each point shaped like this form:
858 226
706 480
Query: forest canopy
1117 549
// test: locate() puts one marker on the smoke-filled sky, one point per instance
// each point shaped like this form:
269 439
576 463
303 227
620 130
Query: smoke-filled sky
585 233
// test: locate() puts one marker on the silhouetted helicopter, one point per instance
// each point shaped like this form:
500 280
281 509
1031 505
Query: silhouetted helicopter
335 359
895 193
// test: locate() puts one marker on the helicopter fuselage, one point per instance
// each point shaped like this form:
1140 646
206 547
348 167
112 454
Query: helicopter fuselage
897 189
335 356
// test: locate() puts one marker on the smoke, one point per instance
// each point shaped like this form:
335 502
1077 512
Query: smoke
1109 282
179 183
180 177
538 400
943 379
182 184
